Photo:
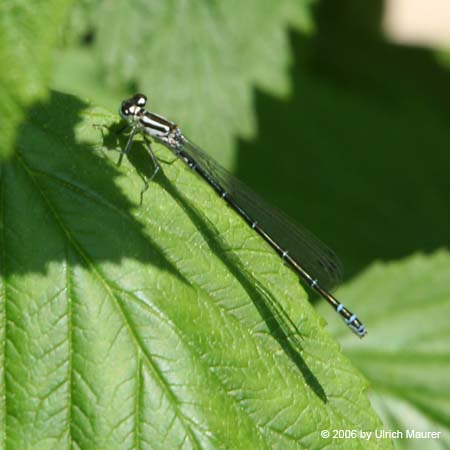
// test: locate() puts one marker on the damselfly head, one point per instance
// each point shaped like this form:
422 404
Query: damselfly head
129 110
131 107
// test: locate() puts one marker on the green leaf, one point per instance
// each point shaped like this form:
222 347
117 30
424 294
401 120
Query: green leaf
28 34
162 326
360 153
406 306
198 61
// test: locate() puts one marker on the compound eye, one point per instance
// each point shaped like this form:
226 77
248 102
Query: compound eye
125 109
140 99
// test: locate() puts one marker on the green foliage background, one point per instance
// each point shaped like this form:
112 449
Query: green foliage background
172 325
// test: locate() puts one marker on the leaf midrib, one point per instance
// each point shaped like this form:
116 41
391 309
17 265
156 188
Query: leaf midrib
110 291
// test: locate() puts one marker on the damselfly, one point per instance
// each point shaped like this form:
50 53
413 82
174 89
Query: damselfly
316 264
